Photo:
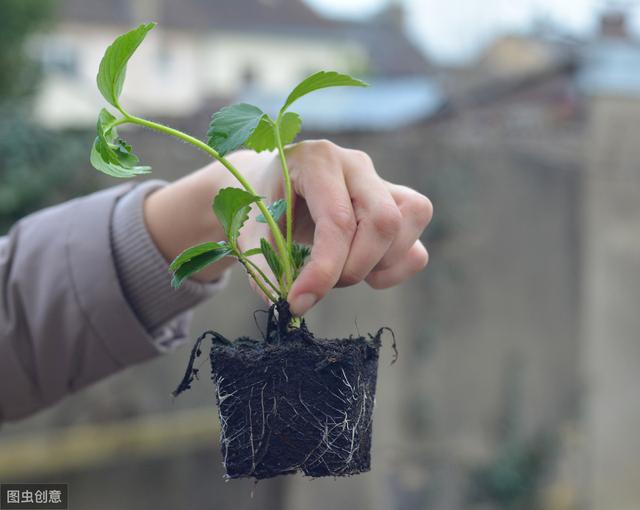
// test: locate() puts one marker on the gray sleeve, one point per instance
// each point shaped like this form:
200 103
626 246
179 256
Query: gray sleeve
65 320
144 273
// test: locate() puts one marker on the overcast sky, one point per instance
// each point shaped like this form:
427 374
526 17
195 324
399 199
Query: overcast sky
452 30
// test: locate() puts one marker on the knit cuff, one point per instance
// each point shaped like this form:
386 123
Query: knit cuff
143 271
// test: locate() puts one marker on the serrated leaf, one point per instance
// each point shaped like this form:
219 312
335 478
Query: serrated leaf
195 259
299 254
232 206
194 251
271 258
105 119
113 66
277 209
290 125
263 138
112 155
321 80
232 126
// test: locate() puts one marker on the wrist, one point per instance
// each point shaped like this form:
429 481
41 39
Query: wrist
179 215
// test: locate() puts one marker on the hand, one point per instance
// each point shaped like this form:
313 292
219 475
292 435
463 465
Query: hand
362 227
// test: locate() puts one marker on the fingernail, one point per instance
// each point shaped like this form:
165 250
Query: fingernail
303 302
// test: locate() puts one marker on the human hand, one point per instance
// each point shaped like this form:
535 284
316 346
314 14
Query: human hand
362 227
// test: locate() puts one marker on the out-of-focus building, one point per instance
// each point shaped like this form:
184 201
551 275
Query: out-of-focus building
203 54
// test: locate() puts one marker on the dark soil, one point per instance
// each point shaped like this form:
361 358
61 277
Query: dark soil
291 402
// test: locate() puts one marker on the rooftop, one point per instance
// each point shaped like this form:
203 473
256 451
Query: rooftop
197 14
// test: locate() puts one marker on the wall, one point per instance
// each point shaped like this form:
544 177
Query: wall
610 319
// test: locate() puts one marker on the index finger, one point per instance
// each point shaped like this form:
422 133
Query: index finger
329 203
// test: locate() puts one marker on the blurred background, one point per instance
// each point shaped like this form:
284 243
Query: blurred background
519 367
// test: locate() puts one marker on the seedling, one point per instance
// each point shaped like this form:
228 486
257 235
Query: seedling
289 402
233 127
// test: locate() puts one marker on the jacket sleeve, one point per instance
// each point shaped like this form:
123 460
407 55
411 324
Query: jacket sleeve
65 317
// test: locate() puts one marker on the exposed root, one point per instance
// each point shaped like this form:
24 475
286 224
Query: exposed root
192 373
394 345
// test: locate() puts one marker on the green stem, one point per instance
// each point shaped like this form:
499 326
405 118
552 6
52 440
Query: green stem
197 143
261 273
257 280
115 123
287 184
275 230
295 322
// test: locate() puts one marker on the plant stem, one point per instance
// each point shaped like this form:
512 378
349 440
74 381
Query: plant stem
264 276
295 322
197 143
256 279
115 123
275 229
287 184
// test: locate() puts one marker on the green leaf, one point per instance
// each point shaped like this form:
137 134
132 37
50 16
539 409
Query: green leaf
193 266
290 124
112 155
271 258
232 206
277 209
113 66
194 251
321 80
195 259
263 138
299 254
232 126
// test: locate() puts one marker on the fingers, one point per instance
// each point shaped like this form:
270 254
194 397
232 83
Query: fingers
412 262
416 211
323 187
364 228
378 218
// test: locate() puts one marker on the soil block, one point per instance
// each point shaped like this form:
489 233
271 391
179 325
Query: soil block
291 402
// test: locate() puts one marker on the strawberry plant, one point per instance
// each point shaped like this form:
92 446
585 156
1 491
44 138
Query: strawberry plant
290 402
233 127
